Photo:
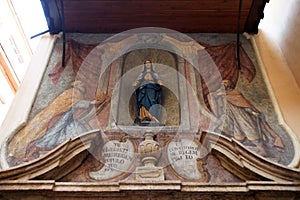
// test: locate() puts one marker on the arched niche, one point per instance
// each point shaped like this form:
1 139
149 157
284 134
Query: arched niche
165 65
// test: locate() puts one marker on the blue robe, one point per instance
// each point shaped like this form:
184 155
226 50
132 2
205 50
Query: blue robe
149 93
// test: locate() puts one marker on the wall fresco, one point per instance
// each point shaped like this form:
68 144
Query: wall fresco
72 101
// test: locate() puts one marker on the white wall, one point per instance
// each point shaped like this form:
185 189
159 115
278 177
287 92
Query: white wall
282 25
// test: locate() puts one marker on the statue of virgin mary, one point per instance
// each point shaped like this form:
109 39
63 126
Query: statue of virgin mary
148 93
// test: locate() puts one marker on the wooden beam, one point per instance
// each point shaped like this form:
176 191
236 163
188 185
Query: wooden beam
256 13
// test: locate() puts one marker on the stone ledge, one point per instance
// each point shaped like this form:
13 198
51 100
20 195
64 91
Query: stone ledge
150 185
51 185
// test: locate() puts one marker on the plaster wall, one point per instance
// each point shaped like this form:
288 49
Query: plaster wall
282 24
278 48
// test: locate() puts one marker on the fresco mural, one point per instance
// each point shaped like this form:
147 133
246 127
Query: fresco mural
240 99
243 121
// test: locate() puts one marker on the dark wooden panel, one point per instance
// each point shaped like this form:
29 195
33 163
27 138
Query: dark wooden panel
204 15
182 15
159 4
192 13
191 21
185 28
195 25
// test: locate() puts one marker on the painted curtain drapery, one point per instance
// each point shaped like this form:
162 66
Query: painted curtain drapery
225 58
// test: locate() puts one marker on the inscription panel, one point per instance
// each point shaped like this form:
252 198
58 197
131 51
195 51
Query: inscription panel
183 156
117 157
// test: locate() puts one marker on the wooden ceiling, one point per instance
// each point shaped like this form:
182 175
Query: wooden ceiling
189 16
